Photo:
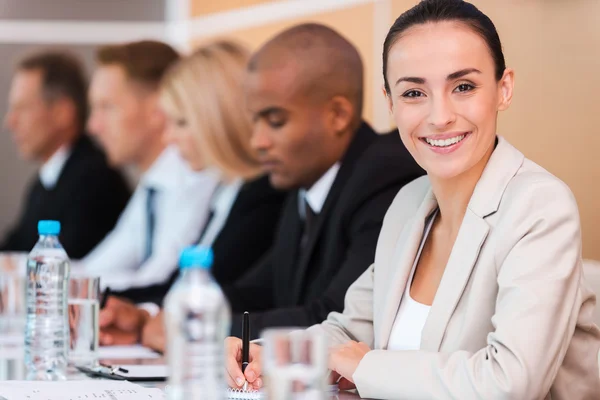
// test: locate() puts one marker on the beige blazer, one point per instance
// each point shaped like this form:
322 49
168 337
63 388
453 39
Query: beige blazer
512 317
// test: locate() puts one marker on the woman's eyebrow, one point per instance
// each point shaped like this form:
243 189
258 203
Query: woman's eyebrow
459 74
451 77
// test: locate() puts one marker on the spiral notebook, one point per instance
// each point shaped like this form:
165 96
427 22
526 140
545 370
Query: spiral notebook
258 395
244 394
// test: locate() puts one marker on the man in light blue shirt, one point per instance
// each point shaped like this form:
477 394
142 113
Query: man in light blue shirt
171 202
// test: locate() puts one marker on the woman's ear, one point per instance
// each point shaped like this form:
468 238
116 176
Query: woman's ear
505 89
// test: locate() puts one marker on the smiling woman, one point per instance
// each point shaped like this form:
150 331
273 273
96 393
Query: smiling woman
476 291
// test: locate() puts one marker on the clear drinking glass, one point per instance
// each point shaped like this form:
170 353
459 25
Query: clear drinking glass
83 310
13 262
13 290
295 364
12 307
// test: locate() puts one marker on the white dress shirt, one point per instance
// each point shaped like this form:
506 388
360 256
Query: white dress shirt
51 170
181 207
317 194
412 315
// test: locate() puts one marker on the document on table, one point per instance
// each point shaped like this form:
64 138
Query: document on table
126 352
77 390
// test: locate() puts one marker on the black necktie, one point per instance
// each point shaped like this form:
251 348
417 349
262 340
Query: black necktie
309 224
150 220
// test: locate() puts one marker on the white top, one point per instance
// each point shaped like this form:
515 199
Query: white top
412 315
181 208
317 194
50 171
220 205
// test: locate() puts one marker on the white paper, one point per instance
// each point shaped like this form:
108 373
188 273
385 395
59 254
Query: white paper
126 352
77 390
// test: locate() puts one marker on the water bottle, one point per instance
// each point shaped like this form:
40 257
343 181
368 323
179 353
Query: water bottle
197 321
47 329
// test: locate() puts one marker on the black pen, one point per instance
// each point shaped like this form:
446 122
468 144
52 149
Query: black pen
245 341
104 299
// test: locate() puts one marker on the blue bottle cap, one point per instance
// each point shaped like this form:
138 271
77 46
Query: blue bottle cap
196 257
48 227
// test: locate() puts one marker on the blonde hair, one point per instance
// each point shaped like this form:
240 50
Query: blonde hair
205 89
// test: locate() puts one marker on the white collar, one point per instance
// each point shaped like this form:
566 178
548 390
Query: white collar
50 171
317 194
225 195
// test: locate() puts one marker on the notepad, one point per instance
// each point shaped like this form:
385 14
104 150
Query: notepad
77 390
244 394
258 395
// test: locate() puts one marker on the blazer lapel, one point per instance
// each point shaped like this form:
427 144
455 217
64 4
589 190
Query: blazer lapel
463 257
500 169
402 263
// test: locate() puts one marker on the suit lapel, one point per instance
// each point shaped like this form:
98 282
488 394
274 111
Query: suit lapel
402 263
499 171
361 141
503 165
463 257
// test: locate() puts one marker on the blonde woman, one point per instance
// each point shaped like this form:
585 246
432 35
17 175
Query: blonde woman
202 97
207 121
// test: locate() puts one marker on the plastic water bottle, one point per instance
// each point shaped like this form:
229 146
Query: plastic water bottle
197 321
47 328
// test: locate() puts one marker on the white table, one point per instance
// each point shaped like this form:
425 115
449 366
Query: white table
12 367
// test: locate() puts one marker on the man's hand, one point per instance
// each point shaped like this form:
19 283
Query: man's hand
121 322
153 334
344 360
233 364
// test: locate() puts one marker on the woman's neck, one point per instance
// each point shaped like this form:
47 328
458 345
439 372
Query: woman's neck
453 195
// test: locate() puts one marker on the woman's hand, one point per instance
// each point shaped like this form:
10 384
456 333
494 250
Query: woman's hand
344 359
233 364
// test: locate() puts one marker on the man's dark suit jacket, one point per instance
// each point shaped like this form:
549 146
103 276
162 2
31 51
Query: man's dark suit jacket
87 200
244 239
289 289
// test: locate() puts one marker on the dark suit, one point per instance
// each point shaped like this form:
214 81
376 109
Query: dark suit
293 289
87 200
247 234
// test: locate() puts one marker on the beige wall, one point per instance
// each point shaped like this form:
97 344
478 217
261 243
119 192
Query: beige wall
202 7
554 46
354 23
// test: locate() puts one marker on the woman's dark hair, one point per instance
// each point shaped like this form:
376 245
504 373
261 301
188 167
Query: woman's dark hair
446 10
